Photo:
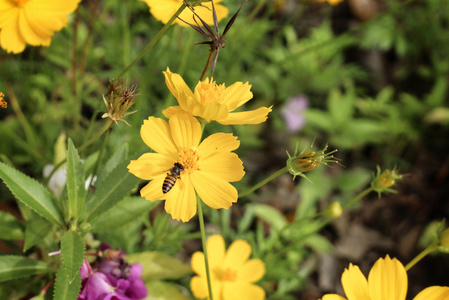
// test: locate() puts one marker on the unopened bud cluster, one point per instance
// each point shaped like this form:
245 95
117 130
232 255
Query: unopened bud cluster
2 101
119 100
309 160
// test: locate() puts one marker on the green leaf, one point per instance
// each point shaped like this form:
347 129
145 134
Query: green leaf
157 265
110 191
270 215
12 267
72 252
75 181
35 232
159 290
124 212
64 288
120 155
32 193
14 227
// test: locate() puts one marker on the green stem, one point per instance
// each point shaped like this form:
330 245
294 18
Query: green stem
421 256
154 40
95 137
203 240
358 197
263 182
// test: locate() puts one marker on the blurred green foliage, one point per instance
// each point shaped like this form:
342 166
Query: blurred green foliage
381 84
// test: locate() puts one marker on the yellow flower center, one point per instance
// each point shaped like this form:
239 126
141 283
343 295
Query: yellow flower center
21 2
225 275
210 91
189 158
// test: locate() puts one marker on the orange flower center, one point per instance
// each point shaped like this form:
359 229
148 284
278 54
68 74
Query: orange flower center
21 2
225 275
210 91
189 158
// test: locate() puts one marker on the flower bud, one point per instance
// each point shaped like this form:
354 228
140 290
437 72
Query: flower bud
444 241
308 160
382 181
334 210
119 100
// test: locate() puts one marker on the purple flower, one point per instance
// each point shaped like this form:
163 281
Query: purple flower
292 112
112 279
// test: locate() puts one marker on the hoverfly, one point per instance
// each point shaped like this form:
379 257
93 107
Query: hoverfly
172 175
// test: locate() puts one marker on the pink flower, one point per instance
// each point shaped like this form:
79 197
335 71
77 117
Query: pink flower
292 112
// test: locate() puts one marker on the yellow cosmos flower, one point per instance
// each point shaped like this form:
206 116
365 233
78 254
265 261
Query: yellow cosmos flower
387 280
213 102
232 274
163 10
208 167
32 22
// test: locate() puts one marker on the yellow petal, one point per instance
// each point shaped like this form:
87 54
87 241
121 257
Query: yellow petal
185 130
155 132
219 142
213 190
197 262
433 293
387 280
355 284
172 110
180 202
153 190
204 12
163 10
237 94
150 165
247 117
198 286
242 291
176 84
210 111
332 297
10 37
252 270
238 253
216 250
227 166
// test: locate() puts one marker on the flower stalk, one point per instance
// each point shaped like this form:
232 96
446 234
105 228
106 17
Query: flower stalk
203 241
154 40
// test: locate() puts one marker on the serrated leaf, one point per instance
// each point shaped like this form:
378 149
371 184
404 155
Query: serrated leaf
157 266
120 155
75 181
64 288
124 212
30 192
35 232
110 191
72 252
13 227
160 290
12 267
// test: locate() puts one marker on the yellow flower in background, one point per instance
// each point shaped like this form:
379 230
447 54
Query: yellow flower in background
213 102
232 274
332 2
32 22
163 10
387 280
208 167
